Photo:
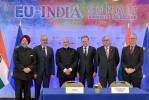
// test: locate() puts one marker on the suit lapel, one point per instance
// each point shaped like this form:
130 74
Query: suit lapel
41 49
104 52
82 50
47 52
135 49
128 50
89 50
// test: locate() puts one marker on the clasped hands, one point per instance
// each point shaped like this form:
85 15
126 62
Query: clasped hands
67 71
27 70
130 70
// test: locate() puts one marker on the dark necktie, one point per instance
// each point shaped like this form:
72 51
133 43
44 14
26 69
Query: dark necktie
44 51
131 49
85 51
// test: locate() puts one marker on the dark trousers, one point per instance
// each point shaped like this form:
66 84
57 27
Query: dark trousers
136 82
106 80
63 80
89 78
20 87
41 79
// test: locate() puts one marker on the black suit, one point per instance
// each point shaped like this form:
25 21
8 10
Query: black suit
132 60
44 68
23 57
66 58
87 65
107 66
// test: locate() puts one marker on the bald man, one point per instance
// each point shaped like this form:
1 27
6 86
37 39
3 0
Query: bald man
44 69
66 61
107 59
132 59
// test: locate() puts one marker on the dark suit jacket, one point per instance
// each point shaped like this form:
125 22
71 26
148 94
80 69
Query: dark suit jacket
86 63
107 65
45 64
66 58
134 60
23 57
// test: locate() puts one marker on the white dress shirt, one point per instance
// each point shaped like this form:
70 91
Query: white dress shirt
107 51
86 49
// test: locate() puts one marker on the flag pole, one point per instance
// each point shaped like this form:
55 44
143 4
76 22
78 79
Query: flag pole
20 23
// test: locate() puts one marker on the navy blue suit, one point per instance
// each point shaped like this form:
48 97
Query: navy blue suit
44 68
87 65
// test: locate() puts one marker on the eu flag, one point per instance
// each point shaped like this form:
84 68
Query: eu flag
145 81
17 43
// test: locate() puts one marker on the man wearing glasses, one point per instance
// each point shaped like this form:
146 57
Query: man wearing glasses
131 60
107 59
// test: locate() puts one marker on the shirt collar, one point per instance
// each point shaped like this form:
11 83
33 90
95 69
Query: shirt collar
132 46
65 47
107 47
43 46
86 47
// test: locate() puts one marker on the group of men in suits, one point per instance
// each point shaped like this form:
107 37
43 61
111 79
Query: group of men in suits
84 61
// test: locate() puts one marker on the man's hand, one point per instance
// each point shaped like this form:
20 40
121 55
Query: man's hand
35 76
67 72
129 70
78 74
94 74
132 70
27 70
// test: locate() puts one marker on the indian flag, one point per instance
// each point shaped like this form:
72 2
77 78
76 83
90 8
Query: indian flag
3 64
127 42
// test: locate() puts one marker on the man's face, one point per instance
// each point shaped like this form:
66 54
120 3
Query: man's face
65 42
106 41
133 39
44 40
24 42
85 41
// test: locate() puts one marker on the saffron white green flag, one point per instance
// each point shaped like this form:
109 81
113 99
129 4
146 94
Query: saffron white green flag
3 64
